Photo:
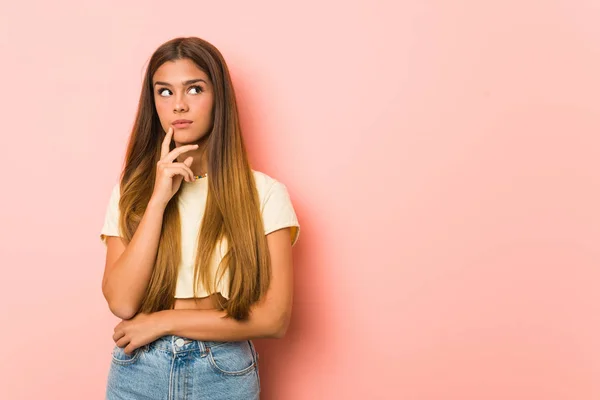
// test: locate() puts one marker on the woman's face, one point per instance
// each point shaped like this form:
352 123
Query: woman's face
182 91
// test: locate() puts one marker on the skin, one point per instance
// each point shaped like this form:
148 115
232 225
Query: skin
197 318
192 101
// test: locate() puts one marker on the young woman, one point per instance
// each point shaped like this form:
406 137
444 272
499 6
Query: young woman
199 258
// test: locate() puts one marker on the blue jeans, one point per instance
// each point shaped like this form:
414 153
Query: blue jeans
174 367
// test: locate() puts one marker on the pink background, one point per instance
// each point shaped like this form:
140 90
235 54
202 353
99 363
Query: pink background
442 157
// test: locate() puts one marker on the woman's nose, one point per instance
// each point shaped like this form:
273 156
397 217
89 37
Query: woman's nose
180 105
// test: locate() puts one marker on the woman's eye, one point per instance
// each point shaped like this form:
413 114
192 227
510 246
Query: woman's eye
198 88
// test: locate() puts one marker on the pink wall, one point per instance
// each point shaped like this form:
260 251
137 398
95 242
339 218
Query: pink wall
442 157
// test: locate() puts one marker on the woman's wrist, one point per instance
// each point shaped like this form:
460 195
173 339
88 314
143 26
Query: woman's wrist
162 322
156 204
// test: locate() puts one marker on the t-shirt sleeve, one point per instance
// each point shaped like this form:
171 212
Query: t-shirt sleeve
111 218
278 211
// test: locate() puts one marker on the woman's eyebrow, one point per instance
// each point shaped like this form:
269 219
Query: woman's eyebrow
183 83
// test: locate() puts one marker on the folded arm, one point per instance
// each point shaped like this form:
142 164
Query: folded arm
269 318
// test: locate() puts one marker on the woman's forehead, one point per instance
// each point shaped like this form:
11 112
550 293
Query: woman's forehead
177 72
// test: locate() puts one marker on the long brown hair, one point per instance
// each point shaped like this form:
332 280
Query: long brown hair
232 210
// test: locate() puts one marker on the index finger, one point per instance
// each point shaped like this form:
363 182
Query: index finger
165 147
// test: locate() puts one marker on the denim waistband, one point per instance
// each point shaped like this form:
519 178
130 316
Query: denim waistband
178 344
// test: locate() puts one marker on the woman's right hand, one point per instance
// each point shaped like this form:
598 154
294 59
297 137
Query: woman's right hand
169 174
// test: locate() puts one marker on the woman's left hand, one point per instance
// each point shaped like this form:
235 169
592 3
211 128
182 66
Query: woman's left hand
137 331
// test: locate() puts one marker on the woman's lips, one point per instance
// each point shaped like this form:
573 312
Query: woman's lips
182 124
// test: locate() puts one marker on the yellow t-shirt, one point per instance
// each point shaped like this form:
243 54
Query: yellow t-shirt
277 213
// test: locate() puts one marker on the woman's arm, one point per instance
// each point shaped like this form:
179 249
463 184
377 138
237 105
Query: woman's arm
128 268
269 318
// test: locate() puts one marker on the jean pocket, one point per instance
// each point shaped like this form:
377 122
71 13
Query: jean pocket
256 357
120 357
232 358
